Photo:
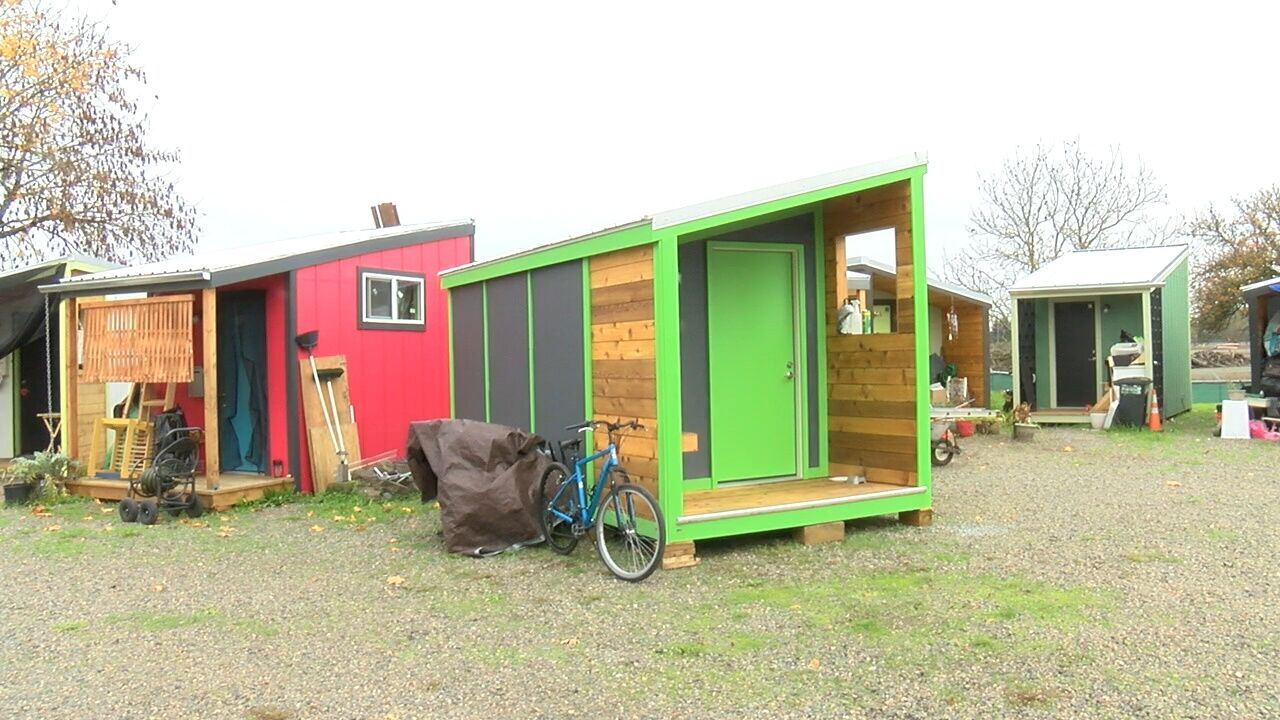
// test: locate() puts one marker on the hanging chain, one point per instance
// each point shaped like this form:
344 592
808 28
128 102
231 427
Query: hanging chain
48 361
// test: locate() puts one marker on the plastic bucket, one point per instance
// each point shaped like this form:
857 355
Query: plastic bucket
964 428
1098 420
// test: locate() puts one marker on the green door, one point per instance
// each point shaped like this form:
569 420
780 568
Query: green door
751 325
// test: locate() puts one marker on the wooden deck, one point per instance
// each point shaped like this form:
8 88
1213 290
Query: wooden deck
1060 416
761 498
231 489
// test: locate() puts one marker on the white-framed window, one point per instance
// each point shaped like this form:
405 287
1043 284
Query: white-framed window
392 300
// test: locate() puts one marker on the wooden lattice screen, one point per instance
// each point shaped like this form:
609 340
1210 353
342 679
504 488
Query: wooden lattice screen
147 340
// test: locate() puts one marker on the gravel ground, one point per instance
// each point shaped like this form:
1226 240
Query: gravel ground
1082 575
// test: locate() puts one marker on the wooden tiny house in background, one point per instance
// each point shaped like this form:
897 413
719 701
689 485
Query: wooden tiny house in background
230 348
715 325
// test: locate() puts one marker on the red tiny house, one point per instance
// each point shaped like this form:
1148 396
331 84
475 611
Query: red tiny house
372 296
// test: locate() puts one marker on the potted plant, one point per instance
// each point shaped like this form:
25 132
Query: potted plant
1023 428
43 476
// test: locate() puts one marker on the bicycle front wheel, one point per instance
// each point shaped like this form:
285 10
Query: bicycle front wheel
630 533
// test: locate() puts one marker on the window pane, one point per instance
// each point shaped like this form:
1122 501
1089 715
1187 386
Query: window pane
407 301
377 301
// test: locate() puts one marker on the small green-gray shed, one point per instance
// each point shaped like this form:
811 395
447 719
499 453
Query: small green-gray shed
1069 313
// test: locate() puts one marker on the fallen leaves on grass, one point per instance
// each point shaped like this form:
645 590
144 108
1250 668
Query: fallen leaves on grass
53 528
357 509
226 531
105 510
158 587
570 642
87 518
317 529
1068 448
39 511
1172 483
395 580
814 664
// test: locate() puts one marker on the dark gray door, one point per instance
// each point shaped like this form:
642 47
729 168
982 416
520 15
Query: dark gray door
1075 353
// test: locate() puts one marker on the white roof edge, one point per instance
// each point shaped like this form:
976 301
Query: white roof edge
61 260
200 265
1260 284
853 263
1173 264
1085 289
747 199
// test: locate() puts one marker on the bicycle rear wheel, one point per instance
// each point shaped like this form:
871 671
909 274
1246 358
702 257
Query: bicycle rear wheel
624 523
557 493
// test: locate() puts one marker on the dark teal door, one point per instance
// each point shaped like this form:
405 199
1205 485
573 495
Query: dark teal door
242 380
752 359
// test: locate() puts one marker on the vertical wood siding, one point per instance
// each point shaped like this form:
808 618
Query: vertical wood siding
623 352
968 350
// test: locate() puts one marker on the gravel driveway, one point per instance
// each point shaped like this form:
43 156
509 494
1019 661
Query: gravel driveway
1081 575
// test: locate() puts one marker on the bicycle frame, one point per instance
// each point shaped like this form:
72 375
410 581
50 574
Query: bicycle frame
586 511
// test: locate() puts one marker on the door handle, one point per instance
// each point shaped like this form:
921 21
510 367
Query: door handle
790 370
790 375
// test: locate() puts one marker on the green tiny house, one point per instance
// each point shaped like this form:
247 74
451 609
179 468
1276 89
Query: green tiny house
1069 313
715 326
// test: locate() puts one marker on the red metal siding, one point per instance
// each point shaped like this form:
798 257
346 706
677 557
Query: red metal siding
395 376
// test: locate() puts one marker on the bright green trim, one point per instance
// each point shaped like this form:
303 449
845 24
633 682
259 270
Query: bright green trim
528 287
484 328
453 366
748 222
606 241
728 445
587 403
795 201
820 273
692 484
666 307
798 518
920 316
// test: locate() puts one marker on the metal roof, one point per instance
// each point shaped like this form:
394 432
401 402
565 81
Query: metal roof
725 204
237 264
869 266
1109 270
1262 286
785 190
52 263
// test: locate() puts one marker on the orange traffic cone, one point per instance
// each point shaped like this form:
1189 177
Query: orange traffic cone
1153 422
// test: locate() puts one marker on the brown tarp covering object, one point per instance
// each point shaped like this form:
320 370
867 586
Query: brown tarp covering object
486 479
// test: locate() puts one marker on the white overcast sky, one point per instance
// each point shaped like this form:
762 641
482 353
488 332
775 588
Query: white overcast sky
543 120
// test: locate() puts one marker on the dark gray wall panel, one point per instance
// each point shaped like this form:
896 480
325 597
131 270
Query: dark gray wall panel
695 393
797 230
508 313
559 370
468 351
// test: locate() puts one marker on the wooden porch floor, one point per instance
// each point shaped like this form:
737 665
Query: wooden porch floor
1060 415
231 489
761 498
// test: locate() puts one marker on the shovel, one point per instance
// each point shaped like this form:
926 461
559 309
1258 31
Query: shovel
308 341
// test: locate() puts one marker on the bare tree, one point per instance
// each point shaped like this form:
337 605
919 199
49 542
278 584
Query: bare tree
1046 201
76 172
1233 251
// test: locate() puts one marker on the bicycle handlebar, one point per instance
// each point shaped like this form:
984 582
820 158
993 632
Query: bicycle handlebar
610 426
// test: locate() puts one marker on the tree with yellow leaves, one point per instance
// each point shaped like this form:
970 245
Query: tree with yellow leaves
76 172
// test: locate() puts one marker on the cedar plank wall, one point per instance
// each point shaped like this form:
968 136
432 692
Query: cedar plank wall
871 406
623 352
969 349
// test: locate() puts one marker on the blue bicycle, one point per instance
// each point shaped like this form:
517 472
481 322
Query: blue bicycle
624 517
